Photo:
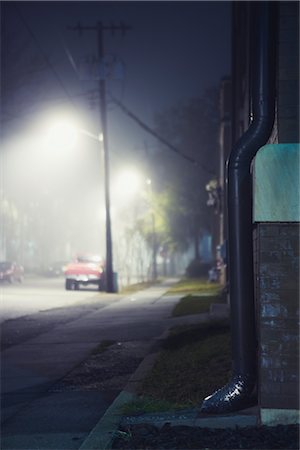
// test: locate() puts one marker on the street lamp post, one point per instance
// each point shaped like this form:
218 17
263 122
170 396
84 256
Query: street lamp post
103 116
102 138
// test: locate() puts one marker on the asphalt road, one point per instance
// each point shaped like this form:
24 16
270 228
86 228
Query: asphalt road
51 398
38 294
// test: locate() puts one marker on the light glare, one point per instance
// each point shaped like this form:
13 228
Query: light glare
128 183
62 134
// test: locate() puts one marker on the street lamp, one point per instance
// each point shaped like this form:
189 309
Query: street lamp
65 133
127 183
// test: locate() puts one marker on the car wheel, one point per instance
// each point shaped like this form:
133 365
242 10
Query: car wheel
74 286
68 285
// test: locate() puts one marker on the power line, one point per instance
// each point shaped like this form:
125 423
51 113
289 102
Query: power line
121 105
50 65
158 137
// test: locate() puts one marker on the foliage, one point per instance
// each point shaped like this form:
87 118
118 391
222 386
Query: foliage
192 127
161 221
132 257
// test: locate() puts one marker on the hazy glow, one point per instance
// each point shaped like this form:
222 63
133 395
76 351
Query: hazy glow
62 134
98 137
127 183
101 214
51 180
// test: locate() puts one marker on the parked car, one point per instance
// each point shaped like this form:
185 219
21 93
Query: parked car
11 271
85 270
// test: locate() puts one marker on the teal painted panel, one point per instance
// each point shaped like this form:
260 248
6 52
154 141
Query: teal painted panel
276 187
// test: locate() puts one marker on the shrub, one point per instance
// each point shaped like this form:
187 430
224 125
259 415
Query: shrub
197 268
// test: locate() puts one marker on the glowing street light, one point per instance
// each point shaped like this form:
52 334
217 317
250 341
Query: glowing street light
64 133
127 183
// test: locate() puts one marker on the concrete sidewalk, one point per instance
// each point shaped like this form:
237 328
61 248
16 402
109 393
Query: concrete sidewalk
33 416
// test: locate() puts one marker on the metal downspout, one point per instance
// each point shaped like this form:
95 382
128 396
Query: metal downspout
239 392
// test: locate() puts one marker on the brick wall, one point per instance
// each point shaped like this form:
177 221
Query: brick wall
277 292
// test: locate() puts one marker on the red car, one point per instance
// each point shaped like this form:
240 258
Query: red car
85 270
11 272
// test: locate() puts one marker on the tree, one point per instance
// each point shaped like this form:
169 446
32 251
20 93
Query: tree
191 126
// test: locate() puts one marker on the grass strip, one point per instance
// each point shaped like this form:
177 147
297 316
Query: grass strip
194 362
131 288
195 286
194 304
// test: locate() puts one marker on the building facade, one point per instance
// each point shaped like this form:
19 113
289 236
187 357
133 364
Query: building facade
272 182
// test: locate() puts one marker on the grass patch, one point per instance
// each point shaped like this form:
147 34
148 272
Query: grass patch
138 287
103 346
194 304
194 362
195 286
145 404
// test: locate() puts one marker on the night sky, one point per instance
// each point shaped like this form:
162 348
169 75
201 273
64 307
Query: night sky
174 51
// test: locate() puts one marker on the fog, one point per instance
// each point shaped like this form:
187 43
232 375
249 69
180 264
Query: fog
53 197
52 205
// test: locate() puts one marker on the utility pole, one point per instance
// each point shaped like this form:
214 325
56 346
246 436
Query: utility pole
100 28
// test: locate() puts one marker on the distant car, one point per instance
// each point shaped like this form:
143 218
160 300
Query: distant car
11 271
85 270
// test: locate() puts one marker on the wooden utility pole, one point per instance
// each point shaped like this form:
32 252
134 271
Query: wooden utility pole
100 28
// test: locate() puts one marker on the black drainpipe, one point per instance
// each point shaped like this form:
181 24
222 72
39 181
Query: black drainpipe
240 391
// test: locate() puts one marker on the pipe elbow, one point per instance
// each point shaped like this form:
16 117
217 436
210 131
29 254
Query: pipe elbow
238 394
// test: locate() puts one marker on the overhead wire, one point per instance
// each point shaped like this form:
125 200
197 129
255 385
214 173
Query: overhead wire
159 137
48 62
120 104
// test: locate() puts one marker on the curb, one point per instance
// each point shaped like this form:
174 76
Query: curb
192 419
102 435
